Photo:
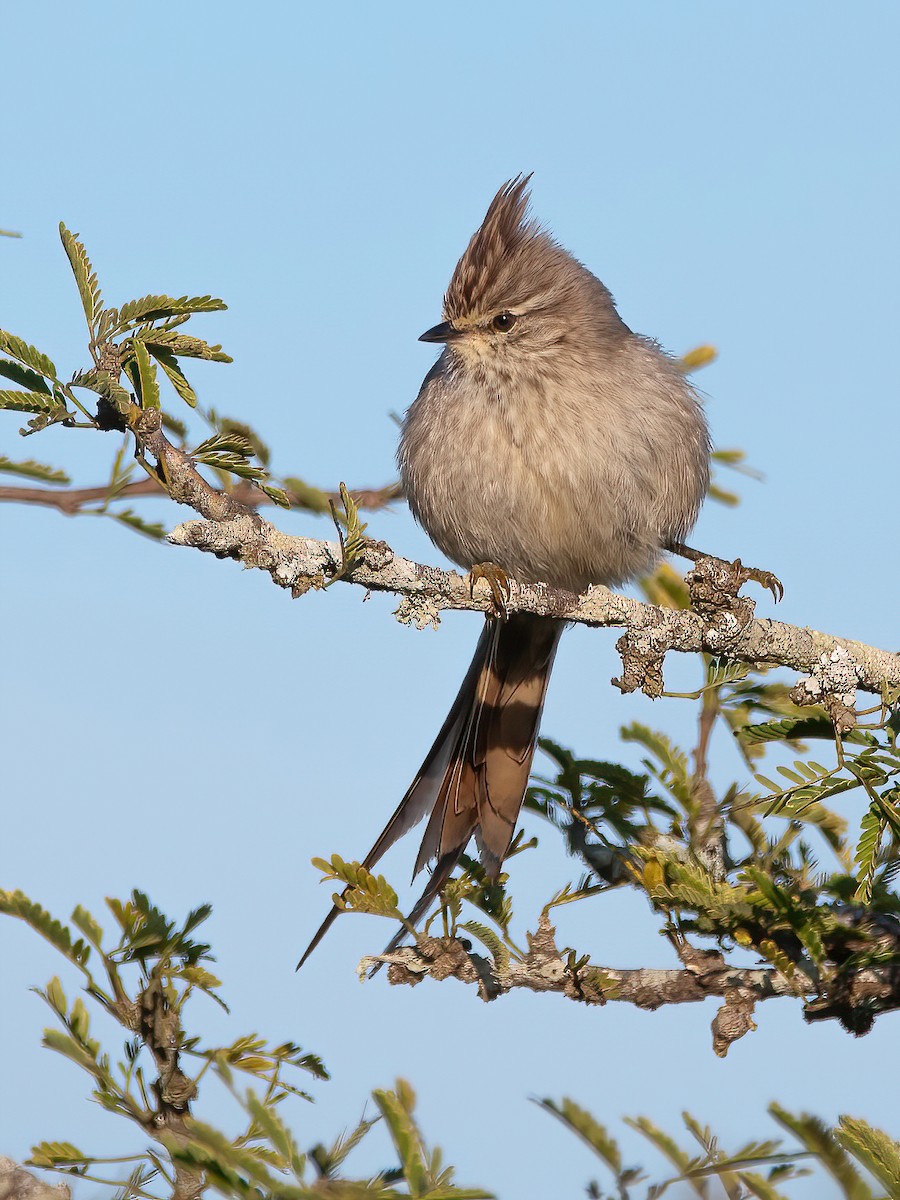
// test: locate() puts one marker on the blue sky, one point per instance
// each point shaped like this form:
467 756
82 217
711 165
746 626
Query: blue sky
731 173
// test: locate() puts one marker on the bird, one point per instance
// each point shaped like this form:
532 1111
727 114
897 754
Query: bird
551 444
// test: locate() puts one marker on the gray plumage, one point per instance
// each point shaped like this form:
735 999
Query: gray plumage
552 441
567 450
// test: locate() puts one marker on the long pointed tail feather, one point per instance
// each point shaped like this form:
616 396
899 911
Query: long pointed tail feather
474 776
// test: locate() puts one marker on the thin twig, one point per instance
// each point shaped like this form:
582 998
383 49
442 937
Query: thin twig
73 500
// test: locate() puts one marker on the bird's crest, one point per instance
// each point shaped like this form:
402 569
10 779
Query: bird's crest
484 269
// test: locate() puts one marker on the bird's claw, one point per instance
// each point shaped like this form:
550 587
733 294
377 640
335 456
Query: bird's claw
497 580
765 579
714 586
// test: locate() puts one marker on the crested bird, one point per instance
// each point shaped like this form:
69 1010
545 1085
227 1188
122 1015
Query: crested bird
549 443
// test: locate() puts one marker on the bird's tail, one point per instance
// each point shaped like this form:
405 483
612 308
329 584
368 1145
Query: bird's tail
474 777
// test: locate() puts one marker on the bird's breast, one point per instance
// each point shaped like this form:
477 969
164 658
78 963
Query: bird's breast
546 481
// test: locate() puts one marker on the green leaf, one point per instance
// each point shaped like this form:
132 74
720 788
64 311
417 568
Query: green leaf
367 892
304 495
277 1132
759 1187
878 1153
56 997
789 729
234 464
499 953
88 288
129 518
228 1166
83 921
328 1160
230 425
152 308
224 443
200 978
102 383
396 1108
731 499
674 774
174 374
275 494
182 345
819 1140
56 1154
33 402
80 1020
583 1124
666 588
871 832
666 1145
16 348
174 425
148 384
29 469
23 375
228 451
63 1043
353 539
17 904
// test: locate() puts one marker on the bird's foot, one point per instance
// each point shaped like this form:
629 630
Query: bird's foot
766 579
497 580
714 586
724 577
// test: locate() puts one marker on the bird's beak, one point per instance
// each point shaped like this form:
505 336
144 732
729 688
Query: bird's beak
441 333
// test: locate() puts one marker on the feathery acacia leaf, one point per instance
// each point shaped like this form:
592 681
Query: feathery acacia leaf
591 1132
182 345
132 520
85 277
152 308
673 771
368 893
148 384
57 1154
28 355
499 953
871 832
226 442
818 1139
328 1160
33 402
351 537
878 1153
23 375
86 924
29 469
396 1108
174 374
17 904
276 494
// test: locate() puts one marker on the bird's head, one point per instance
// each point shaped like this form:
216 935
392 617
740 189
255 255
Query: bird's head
516 294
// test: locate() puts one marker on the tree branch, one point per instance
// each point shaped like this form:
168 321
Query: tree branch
724 625
827 993
71 501
835 665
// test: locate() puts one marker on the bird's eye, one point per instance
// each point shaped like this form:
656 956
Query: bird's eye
503 322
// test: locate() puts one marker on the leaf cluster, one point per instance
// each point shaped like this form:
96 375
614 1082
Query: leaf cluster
151 958
134 350
858 1157
739 866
